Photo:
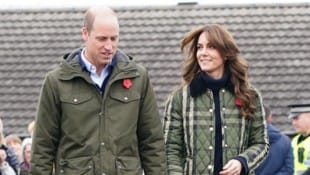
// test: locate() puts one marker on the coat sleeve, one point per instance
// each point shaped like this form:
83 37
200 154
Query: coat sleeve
288 165
46 131
174 139
150 133
258 145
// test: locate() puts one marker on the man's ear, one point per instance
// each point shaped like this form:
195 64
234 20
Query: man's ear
85 34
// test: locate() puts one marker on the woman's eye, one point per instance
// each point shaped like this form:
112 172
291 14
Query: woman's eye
211 47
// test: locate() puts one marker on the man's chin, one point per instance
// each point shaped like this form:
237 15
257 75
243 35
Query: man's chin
106 60
106 57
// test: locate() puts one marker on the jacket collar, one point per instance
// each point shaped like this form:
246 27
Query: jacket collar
202 82
71 67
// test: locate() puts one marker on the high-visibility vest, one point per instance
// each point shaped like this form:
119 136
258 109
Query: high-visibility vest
301 153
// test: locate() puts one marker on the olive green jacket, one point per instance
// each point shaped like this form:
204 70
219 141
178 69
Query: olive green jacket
81 132
189 133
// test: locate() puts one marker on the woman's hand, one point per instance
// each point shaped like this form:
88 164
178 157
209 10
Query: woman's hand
233 167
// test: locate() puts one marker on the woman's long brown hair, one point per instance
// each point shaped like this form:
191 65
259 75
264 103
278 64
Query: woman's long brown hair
222 40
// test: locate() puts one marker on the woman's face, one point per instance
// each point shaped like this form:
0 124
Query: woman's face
209 58
27 153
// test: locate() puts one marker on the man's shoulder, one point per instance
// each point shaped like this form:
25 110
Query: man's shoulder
54 71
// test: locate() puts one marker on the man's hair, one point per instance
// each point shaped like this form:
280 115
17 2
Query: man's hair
89 20
13 138
91 14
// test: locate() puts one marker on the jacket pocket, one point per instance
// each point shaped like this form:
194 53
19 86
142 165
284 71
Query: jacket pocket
128 166
76 166
125 97
76 99
75 104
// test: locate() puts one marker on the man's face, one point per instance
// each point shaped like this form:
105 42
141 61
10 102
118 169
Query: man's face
102 41
301 123
16 147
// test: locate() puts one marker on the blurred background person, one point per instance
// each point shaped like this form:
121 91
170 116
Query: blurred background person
30 128
14 142
10 157
5 168
280 160
26 149
300 116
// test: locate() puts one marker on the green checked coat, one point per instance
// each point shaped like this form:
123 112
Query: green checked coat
189 133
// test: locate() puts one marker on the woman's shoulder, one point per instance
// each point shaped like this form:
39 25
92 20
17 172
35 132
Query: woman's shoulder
180 90
255 89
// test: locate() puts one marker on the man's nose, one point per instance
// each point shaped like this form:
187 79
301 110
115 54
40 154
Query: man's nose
108 45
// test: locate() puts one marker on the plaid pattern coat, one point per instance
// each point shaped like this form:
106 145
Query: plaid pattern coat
189 132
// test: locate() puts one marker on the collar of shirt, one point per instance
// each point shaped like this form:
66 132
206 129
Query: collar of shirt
97 79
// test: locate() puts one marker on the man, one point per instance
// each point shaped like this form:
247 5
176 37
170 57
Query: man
97 112
279 160
300 116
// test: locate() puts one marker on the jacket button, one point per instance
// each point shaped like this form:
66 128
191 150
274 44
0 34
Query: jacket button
102 143
210 167
62 171
211 129
210 147
210 110
75 100
125 98
225 127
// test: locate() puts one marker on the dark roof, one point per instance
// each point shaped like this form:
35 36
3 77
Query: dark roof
274 38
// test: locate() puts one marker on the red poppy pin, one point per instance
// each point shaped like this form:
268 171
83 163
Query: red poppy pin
238 102
127 83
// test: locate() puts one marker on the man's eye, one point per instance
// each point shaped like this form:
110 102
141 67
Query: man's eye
101 39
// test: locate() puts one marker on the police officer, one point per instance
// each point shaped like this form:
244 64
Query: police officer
300 116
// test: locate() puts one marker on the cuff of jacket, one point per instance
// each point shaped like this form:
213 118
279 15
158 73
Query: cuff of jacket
245 168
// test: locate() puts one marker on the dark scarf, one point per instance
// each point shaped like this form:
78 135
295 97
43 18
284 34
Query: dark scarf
203 81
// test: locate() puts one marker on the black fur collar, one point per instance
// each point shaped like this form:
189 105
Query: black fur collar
202 82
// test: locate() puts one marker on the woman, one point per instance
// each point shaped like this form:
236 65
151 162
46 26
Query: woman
214 123
25 165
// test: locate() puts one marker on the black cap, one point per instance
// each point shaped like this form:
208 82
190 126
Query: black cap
296 109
